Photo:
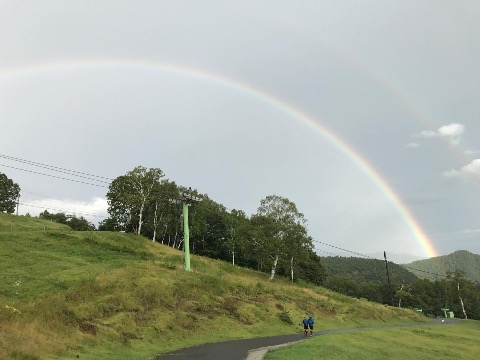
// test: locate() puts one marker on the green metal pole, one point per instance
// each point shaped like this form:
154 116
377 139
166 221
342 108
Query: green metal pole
186 236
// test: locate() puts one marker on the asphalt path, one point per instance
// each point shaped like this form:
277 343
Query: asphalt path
255 348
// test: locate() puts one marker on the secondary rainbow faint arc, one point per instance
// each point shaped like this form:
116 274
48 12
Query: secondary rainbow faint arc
422 238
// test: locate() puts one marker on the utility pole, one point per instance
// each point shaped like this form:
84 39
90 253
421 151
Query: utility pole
388 278
18 202
186 200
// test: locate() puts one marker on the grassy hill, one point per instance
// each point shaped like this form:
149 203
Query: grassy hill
9 222
461 260
102 295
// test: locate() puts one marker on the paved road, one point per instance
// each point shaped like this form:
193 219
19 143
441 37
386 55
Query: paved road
239 349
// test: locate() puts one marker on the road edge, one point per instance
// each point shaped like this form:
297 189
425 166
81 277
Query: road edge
259 354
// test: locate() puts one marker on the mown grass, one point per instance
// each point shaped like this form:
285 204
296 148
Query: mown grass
436 342
101 295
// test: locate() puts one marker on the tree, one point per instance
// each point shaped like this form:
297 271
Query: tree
262 245
403 294
311 269
77 224
209 228
297 245
343 285
109 224
237 230
161 208
9 193
128 195
283 228
60 217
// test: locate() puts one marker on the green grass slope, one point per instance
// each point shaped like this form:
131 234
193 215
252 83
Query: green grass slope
460 260
102 295
9 222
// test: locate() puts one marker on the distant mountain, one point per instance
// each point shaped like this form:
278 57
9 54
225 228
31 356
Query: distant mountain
361 270
460 260
397 258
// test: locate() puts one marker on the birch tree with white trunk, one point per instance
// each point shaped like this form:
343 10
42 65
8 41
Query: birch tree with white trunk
280 220
128 195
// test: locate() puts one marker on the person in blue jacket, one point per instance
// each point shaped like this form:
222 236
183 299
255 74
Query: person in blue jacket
310 324
305 326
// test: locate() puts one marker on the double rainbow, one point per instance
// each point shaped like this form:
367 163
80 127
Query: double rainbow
295 113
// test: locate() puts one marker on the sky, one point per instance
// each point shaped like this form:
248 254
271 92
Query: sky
364 114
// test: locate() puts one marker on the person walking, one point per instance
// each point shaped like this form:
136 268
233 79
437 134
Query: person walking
310 324
305 326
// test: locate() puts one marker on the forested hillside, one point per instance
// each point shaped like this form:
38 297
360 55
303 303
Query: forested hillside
366 278
459 261
361 270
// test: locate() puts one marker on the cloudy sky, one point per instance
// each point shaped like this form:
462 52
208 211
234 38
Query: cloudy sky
242 99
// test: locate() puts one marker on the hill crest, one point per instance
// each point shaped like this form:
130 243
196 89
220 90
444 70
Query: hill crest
460 260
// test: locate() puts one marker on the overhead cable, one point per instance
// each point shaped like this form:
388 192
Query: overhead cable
53 176
63 210
51 167
372 258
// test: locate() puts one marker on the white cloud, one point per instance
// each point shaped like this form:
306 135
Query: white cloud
468 172
470 231
452 131
412 145
471 152
427 134
94 210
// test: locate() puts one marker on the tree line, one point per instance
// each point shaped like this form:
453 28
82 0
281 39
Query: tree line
273 240
76 223
366 278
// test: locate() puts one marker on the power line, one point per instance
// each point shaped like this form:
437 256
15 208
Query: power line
366 256
64 210
89 177
328 252
54 168
349 251
68 172
37 195
53 176
372 258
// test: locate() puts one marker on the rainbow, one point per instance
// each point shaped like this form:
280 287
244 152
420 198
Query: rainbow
329 136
